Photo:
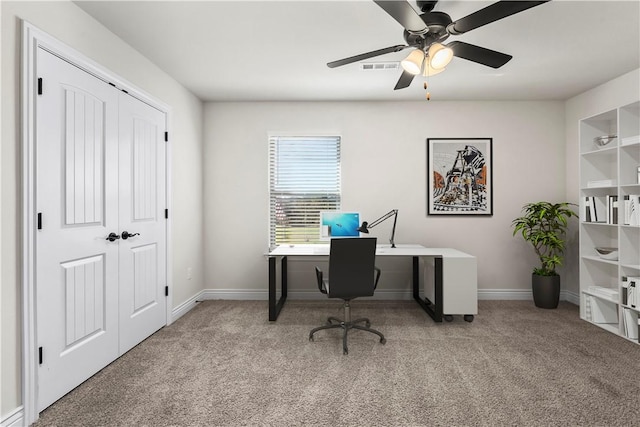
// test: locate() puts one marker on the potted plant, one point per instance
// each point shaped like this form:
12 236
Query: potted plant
544 225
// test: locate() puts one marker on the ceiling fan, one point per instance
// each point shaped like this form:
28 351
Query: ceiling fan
425 33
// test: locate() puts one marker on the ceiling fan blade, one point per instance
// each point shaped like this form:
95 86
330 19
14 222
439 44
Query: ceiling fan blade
367 55
402 12
478 54
404 80
490 14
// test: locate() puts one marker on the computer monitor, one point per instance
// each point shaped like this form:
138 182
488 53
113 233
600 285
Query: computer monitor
337 224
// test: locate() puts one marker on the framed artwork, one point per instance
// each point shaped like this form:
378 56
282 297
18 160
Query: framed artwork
459 176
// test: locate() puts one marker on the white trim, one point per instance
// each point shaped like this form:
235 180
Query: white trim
570 296
382 294
29 370
32 39
505 294
236 294
14 419
169 221
186 306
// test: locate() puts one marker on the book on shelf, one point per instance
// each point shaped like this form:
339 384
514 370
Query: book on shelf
632 209
633 291
612 209
587 209
602 209
625 286
630 323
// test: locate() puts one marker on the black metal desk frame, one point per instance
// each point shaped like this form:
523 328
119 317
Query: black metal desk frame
433 308
276 305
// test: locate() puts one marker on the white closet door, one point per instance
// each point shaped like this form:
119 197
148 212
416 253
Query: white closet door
142 190
101 169
77 196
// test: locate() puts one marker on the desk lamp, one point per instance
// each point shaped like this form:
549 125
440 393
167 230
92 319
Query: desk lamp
364 228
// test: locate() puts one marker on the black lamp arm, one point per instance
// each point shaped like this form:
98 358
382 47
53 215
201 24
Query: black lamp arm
394 213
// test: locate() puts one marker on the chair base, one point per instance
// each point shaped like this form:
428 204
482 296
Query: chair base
346 325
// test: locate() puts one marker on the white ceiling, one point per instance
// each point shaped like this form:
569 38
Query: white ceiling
277 50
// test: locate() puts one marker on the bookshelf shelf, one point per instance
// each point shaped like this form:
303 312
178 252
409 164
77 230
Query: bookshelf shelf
609 191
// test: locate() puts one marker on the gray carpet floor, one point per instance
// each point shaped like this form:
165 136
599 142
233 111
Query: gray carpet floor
225 364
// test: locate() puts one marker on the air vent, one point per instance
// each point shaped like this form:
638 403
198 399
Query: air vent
379 66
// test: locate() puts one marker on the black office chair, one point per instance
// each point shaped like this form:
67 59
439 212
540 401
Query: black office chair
352 274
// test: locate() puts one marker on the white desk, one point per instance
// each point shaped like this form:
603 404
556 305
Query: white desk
453 276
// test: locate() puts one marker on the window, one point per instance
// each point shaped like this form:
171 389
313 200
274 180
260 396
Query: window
304 179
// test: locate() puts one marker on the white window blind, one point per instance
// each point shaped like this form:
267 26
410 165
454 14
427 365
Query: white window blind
304 179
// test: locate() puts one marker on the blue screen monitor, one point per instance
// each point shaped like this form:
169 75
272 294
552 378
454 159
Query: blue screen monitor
337 224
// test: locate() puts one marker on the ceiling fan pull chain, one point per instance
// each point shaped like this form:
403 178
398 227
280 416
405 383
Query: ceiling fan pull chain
426 85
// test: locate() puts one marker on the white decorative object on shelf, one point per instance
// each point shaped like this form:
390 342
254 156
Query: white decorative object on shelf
602 141
601 183
610 254
632 209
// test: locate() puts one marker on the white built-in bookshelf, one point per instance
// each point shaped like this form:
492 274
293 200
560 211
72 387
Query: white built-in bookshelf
610 218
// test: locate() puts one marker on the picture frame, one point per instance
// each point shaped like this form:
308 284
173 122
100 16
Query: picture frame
460 176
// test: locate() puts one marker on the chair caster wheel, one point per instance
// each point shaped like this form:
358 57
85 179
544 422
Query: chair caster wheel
310 337
368 324
468 318
448 317
383 341
345 351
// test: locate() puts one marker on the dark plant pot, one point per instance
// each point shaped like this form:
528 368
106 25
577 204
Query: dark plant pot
546 291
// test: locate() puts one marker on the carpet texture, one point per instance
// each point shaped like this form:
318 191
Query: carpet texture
225 364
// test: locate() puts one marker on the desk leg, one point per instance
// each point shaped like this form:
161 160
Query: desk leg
433 309
276 305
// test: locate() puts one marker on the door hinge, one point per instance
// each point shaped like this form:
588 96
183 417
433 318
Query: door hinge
166 291
39 85
166 213
39 220
40 355
166 136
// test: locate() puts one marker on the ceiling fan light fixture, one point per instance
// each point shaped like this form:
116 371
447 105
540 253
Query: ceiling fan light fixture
413 62
439 56
429 70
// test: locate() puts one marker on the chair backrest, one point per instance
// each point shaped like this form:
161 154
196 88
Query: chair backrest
351 267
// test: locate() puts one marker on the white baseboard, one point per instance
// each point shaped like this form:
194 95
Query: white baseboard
505 294
571 297
185 307
259 295
14 418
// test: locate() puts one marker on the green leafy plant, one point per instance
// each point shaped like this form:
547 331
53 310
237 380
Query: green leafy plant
544 225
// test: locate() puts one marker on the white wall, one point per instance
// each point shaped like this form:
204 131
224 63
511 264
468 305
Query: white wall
65 21
384 167
611 95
